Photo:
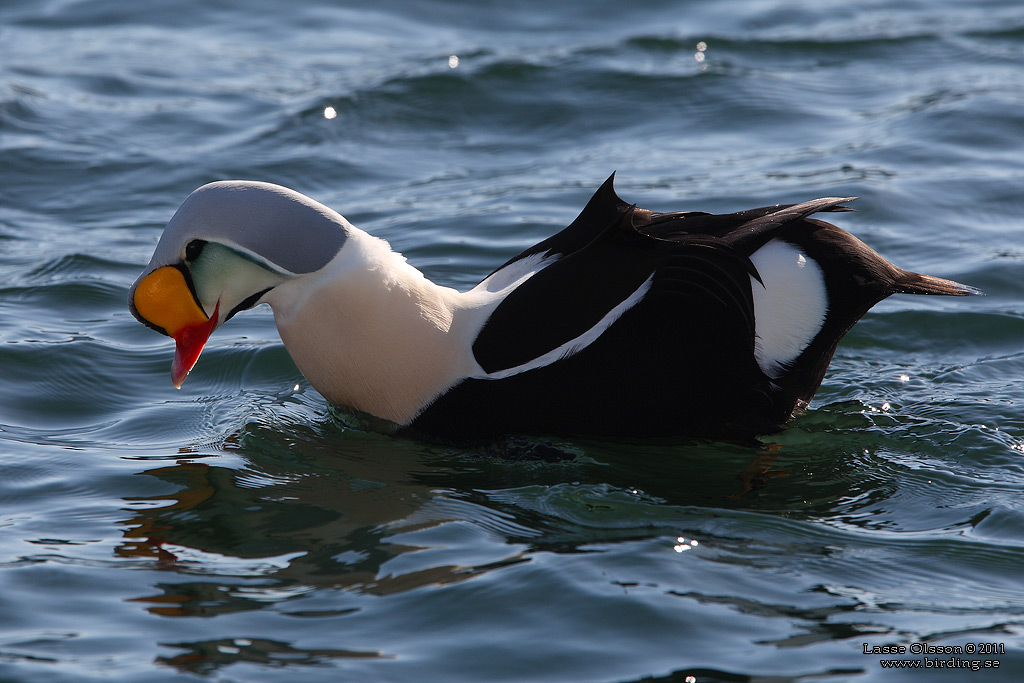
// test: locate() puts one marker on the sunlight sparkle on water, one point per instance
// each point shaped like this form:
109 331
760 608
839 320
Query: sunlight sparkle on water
683 545
699 54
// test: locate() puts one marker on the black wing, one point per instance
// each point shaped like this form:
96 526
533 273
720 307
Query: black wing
610 250
572 295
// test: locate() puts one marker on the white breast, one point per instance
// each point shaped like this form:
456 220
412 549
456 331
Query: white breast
370 332
790 309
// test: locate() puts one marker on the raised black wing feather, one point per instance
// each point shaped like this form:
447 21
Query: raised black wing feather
746 231
604 210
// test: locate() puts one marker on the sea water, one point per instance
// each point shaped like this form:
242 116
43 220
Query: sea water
243 530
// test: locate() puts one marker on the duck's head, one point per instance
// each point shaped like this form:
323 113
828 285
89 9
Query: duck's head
225 248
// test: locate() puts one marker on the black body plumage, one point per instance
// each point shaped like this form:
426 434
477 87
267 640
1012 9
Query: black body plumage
680 362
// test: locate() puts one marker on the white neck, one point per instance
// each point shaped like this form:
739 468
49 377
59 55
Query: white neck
370 332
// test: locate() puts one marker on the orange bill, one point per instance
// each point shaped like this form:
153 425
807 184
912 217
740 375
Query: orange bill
164 300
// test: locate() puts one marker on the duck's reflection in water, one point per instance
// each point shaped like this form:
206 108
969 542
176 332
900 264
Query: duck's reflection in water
309 531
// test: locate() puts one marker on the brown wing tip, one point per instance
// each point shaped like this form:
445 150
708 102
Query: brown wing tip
839 206
916 283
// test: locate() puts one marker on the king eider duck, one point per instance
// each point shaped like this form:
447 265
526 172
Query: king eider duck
628 323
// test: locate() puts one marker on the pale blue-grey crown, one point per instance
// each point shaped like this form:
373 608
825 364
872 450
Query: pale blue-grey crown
289 230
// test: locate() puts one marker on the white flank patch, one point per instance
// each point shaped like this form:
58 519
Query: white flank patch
790 309
581 342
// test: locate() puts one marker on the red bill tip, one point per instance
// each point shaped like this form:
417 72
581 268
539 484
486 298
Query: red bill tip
189 342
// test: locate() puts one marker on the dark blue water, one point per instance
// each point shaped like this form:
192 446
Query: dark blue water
240 530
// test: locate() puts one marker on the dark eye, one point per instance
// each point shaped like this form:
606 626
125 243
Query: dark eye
193 249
